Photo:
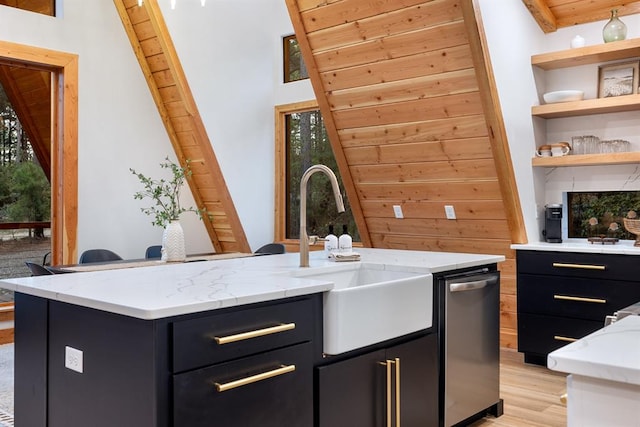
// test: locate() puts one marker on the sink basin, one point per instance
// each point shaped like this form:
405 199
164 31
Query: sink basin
371 303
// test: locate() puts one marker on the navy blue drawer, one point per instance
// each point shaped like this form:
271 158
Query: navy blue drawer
570 264
576 297
249 330
272 389
541 335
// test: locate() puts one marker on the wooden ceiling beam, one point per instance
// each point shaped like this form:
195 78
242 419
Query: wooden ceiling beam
542 14
554 14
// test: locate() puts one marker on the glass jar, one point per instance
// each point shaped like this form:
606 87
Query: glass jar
615 29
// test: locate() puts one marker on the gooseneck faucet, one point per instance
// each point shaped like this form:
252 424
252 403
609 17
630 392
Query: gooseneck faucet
304 238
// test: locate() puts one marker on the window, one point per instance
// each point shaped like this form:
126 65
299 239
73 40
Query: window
302 142
294 68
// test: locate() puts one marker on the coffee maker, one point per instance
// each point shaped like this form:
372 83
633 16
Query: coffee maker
553 223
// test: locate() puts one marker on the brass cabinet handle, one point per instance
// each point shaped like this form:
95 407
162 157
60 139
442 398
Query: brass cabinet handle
561 338
254 334
283 369
389 403
581 266
397 362
580 299
388 364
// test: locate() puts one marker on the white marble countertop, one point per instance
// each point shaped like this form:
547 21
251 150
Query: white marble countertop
611 353
624 247
173 289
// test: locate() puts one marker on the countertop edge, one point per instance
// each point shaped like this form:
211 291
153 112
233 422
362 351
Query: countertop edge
624 247
611 353
162 291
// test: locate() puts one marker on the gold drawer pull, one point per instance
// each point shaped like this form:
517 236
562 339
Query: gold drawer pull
561 338
254 334
397 360
283 369
581 266
388 364
580 299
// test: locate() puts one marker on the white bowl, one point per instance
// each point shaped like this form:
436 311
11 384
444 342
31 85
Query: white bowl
563 96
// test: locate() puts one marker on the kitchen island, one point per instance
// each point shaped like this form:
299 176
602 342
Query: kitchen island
133 347
603 388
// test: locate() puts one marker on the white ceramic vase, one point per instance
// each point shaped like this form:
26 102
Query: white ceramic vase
173 248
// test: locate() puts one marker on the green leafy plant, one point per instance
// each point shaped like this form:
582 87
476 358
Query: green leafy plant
165 193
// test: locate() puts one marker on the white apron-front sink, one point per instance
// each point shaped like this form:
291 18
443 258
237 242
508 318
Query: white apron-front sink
371 303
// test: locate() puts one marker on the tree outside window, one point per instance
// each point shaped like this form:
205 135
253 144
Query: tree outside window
294 67
306 144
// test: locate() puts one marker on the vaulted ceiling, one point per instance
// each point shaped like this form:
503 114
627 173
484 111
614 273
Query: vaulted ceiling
554 14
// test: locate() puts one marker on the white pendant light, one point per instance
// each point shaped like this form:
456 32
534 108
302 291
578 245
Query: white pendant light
173 4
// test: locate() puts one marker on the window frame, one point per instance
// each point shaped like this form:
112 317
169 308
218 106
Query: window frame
280 207
281 111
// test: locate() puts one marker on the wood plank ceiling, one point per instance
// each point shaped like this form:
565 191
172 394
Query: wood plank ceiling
46 7
165 77
407 94
29 91
554 14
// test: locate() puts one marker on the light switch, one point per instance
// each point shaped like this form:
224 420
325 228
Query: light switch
397 211
449 212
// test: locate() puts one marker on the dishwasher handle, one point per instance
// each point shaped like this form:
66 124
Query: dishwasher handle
472 285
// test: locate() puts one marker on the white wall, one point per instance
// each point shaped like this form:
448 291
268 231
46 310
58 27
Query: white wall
513 36
231 54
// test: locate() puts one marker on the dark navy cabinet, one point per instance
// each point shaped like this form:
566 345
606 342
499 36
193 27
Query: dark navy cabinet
245 366
368 389
563 296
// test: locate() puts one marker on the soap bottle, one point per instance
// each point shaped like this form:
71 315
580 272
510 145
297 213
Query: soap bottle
344 241
330 242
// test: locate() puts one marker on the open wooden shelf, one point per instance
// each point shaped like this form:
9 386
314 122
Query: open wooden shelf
587 160
625 49
587 107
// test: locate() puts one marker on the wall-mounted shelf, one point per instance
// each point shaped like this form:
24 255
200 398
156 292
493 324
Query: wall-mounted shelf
587 160
624 49
587 107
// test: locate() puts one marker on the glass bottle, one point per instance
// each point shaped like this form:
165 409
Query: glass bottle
615 29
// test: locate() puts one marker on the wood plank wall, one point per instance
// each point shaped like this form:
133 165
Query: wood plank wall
397 85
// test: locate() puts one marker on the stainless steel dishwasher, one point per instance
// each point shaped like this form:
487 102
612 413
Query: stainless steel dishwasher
469 329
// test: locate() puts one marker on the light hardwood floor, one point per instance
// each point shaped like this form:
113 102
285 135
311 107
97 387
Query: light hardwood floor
531 395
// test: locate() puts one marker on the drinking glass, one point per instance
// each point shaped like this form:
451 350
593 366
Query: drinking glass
578 145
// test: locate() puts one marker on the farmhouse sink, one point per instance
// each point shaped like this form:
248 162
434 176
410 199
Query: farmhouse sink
371 303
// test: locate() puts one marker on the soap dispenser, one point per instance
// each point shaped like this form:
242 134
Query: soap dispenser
330 242
345 242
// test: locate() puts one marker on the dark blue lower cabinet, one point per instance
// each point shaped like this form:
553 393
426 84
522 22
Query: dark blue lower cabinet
273 389
376 388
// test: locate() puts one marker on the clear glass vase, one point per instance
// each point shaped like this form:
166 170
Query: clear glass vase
615 29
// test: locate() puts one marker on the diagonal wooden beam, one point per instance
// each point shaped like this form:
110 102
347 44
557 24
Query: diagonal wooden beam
329 122
169 88
494 119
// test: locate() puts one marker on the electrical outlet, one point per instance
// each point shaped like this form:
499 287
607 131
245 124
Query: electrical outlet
449 212
73 359
397 211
